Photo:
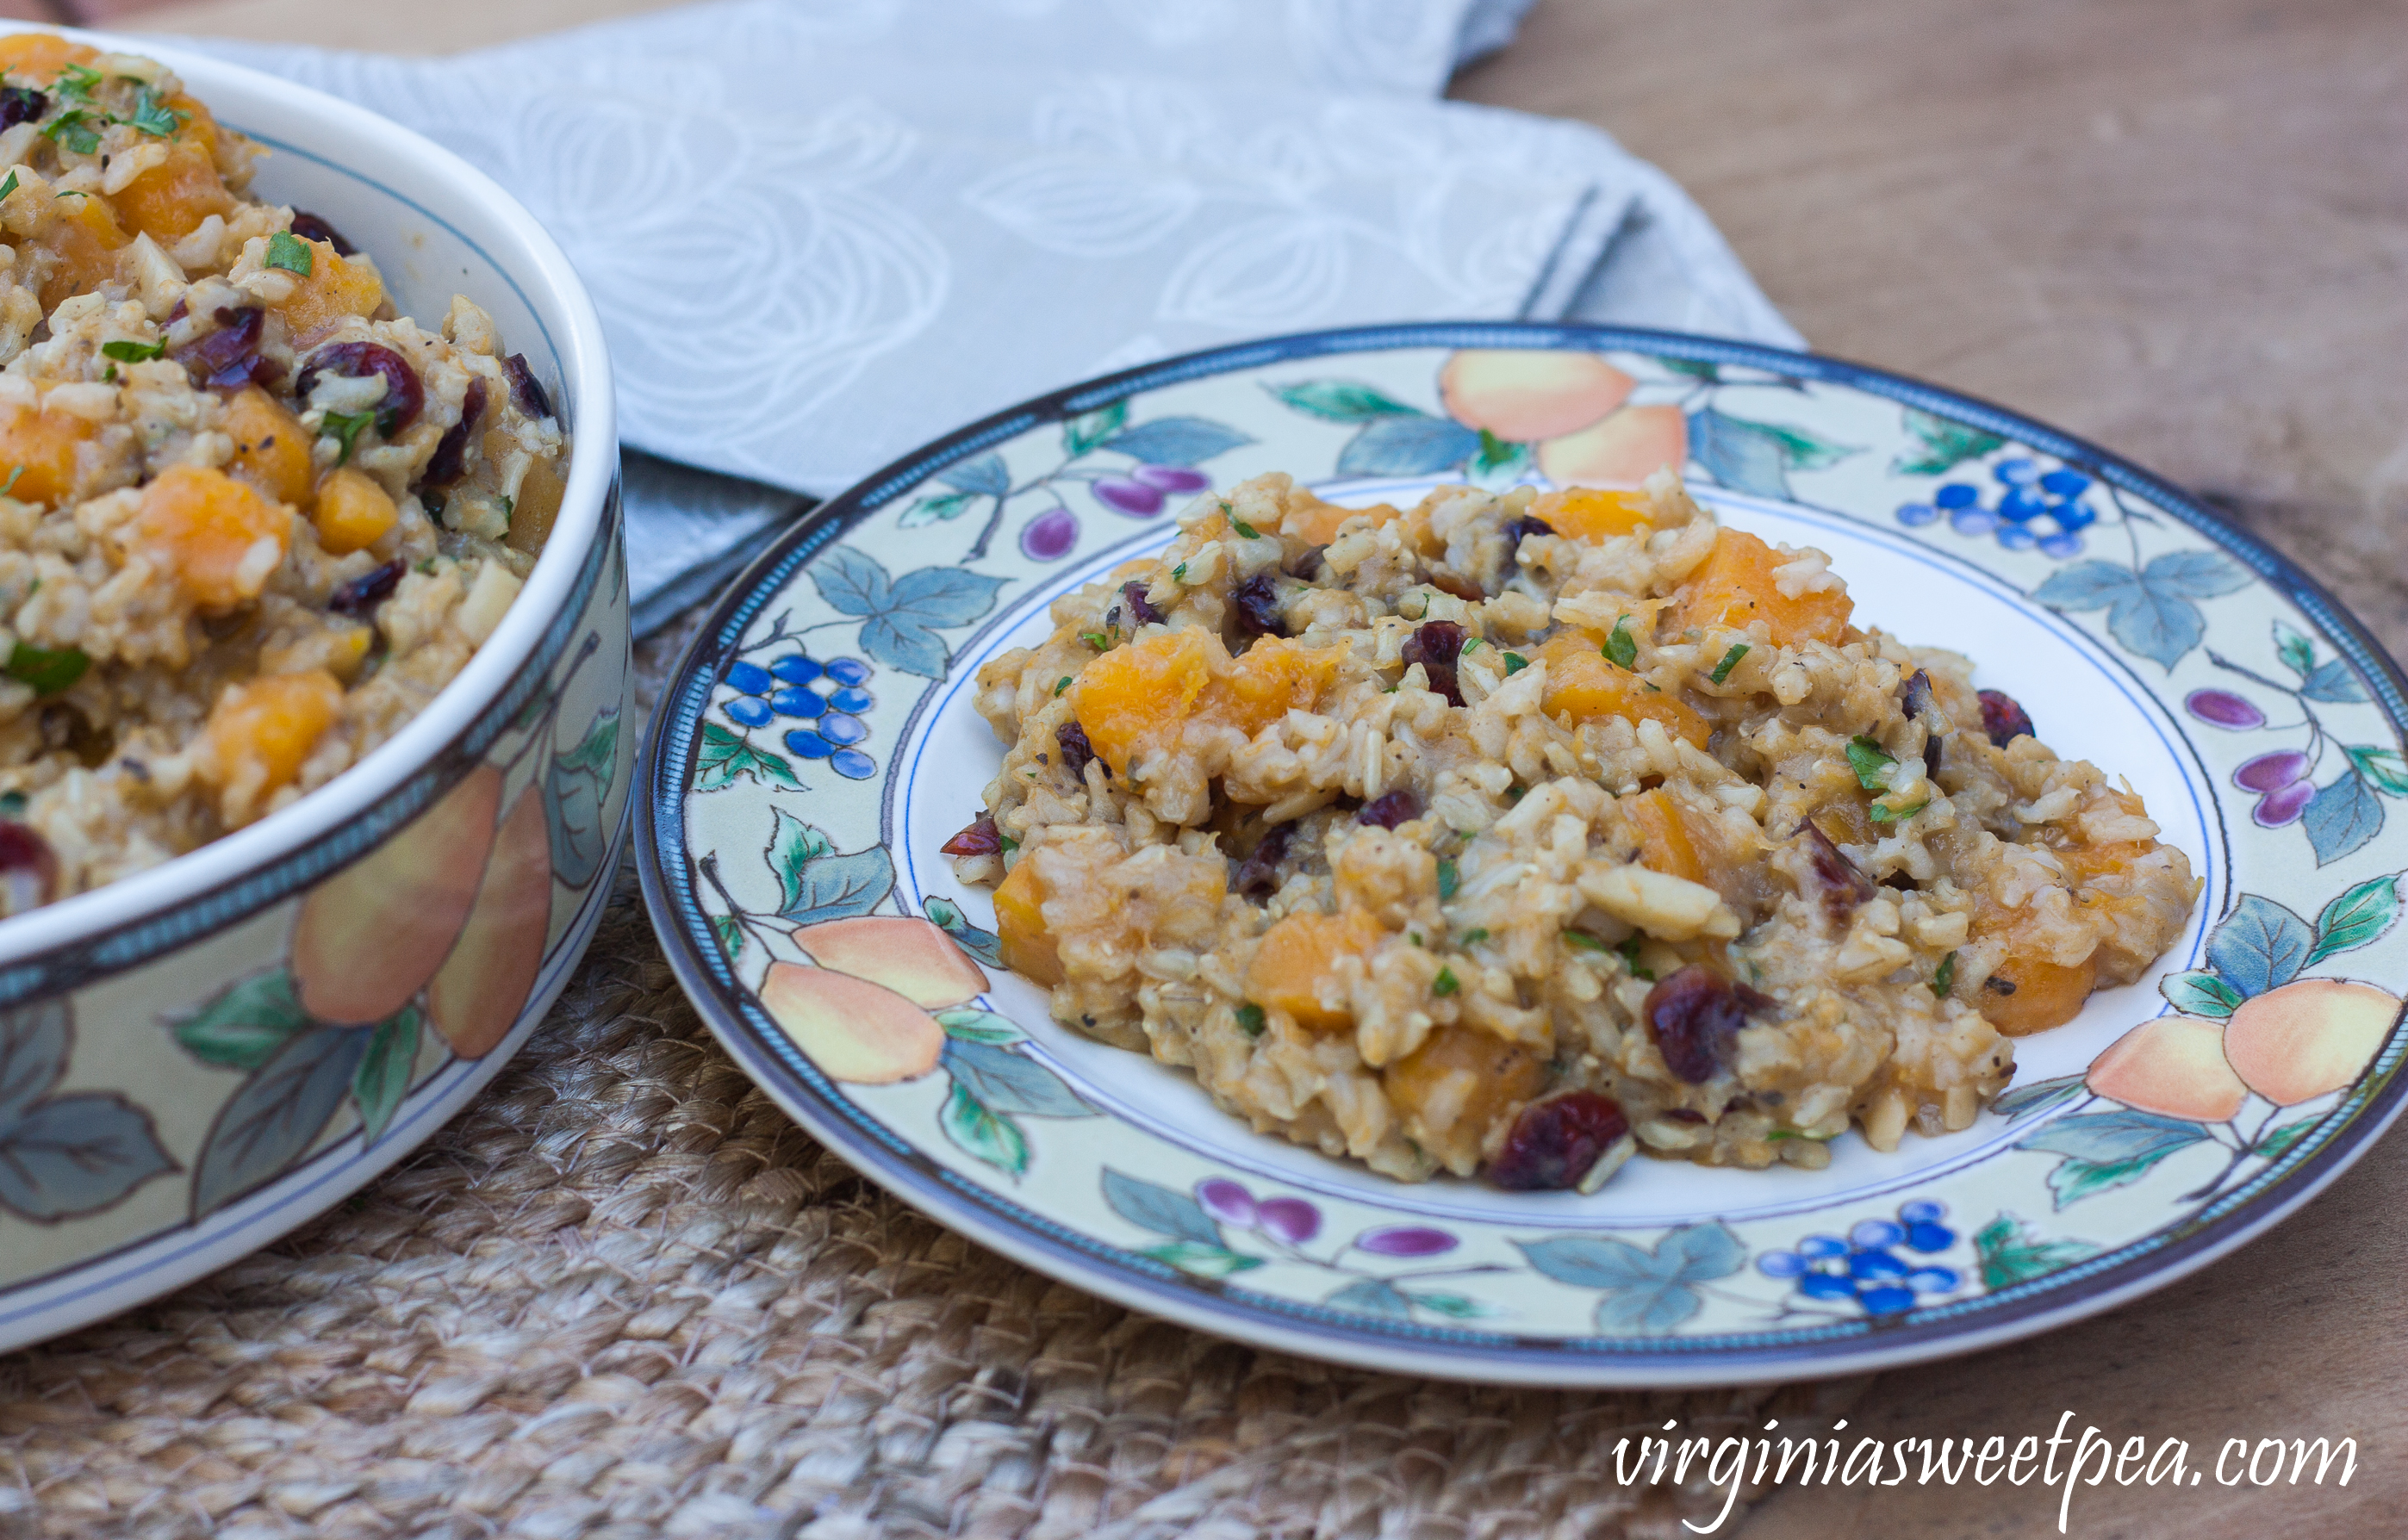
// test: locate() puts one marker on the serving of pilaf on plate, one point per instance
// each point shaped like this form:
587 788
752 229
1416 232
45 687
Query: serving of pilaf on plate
251 519
1518 832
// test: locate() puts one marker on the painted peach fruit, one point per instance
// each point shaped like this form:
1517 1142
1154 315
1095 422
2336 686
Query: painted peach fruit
853 1030
2173 1067
911 957
2313 1036
1623 450
1522 395
484 983
370 935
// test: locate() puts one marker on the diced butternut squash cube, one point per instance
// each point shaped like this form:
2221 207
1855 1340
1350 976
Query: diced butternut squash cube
271 451
219 537
170 200
84 237
1026 946
1134 700
39 448
531 516
1296 968
38 56
1737 589
1580 680
2024 994
1271 678
1457 1085
1660 824
1590 513
261 731
332 290
1318 525
352 512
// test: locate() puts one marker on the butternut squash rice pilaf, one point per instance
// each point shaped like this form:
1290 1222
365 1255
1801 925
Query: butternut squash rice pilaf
253 519
1516 833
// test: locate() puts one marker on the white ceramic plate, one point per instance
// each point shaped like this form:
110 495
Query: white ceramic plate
817 745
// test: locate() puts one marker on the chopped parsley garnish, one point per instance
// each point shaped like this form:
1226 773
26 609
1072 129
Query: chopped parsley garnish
1629 950
343 428
108 375
1061 684
289 251
74 130
1413 937
1895 815
1730 661
1096 639
150 117
1514 664
9 486
1581 941
75 80
1250 1019
1444 984
1474 937
1009 842
1469 643
12 805
1447 877
1179 573
126 351
48 670
1619 650
1245 530
1871 765
1946 979
10 185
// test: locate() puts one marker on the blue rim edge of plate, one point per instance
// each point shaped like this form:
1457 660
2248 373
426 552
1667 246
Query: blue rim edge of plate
1311 1331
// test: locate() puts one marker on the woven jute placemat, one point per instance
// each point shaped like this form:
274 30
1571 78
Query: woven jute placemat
623 1294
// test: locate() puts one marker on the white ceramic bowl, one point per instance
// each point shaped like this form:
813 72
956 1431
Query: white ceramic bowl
165 1106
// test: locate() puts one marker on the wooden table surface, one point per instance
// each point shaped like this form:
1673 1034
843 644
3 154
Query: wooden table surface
2178 227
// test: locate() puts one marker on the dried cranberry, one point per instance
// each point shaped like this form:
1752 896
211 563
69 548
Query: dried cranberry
982 839
1841 885
1914 696
228 358
1258 606
29 869
1305 564
1435 645
1695 1017
450 460
1462 588
1527 524
1141 611
1077 752
2003 719
1258 874
1554 1143
525 389
368 590
310 227
403 395
1390 808
20 105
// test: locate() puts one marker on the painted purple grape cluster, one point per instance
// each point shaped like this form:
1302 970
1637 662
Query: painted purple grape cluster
2036 509
1293 1222
828 696
2279 779
1141 493
1866 1267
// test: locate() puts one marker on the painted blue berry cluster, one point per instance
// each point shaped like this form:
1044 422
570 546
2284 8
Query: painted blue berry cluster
1866 1269
828 698
2036 509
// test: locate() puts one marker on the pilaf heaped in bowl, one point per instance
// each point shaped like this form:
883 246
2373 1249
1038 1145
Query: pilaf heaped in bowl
254 519
1516 833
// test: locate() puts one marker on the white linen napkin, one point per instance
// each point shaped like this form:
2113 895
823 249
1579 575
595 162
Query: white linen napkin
821 232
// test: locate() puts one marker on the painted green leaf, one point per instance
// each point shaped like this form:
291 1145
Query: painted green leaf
276 1115
2279 1143
2382 768
1942 446
1341 401
2108 1149
2344 817
972 1025
382 1079
2010 1253
2259 946
63 1157
730 932
1088 428
2201 994
1691 368
243 1023
1645 1292
2360 915
575 785
936 509
1151 1206
1210 1261
988 1135
2298 653
727 758
1005 1081
2020 1101
948 917
1373 1297
1452 1306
